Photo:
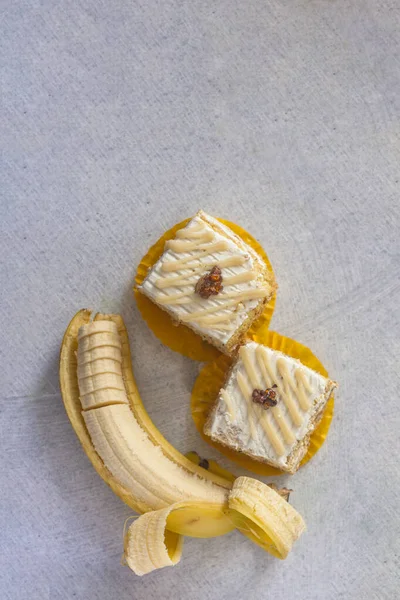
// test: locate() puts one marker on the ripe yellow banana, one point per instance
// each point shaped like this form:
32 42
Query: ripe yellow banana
123 444
178 496
264 516
148 545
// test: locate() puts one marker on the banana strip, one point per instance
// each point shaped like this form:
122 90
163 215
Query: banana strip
148 545
264 516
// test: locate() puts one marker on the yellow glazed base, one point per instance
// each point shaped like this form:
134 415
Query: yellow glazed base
179 337
212 378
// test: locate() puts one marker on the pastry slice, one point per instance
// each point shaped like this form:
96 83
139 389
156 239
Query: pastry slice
209 279
269 406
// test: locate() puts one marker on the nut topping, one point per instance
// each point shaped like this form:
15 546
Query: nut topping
209 284
266 398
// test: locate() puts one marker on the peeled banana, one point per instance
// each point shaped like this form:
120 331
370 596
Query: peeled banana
124 445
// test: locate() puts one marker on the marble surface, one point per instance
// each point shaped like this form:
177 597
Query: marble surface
121 118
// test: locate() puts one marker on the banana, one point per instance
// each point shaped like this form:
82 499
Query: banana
177 495
127 450
264 516
148 545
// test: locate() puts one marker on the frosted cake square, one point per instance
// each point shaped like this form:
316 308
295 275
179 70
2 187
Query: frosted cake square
269 406
209 279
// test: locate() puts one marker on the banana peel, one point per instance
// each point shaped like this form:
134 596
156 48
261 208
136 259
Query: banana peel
148 545
264 516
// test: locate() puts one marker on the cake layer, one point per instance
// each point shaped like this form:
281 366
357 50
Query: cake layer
268 406
210 280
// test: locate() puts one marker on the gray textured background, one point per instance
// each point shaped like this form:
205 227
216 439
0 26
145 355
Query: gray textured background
120 118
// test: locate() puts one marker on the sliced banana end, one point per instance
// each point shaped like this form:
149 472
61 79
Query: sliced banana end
149 546
266 518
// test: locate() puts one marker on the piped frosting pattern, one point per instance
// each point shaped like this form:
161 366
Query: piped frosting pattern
268 434
203 244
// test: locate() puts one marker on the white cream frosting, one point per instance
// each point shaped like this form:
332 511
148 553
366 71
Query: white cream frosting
270 434
195 250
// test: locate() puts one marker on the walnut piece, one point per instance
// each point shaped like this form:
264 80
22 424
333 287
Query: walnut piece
209 284
266 398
